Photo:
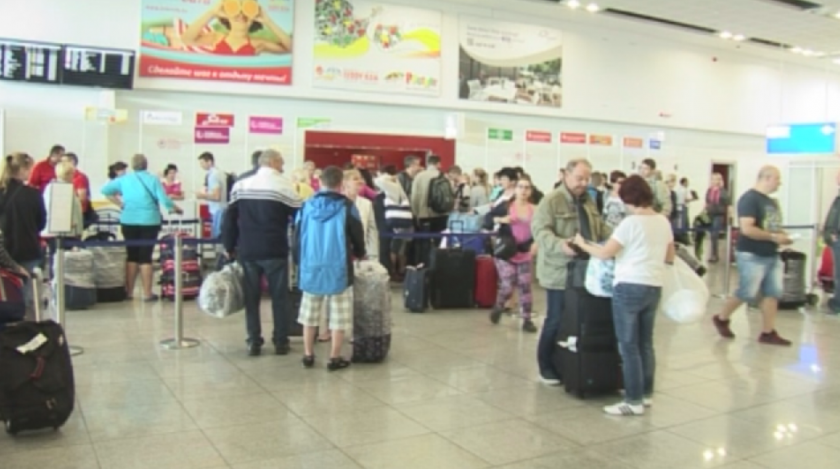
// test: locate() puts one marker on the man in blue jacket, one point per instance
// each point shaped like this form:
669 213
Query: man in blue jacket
329 236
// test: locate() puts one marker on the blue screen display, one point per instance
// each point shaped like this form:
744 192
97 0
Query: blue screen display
802 138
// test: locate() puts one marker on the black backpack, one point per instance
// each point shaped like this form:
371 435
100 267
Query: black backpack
441 195
230 180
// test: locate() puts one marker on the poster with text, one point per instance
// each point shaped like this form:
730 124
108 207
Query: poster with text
510 63
364 45
247 41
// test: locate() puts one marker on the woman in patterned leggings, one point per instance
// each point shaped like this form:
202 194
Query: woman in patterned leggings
516 271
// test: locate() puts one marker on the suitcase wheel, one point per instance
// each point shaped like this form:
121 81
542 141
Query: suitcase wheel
812 299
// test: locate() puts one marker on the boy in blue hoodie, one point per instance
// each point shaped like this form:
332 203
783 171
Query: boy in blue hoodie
329 235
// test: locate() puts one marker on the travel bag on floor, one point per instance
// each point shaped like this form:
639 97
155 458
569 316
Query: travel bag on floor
79 279
826 273
221 293
452 279
587 355
794 292
190 270
416 289
109 269
12 303
371 313
486 282
37 390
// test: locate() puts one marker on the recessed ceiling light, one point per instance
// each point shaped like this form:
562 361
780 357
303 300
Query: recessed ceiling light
837 61
593 8
573 4
725 34
738 37
796 50
837 15
807 52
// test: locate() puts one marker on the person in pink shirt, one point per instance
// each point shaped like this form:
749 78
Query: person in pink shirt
314 180
171 185
516 271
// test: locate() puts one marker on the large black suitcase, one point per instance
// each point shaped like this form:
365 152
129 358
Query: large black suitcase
416 290
587 351
37 390
293 311
452 278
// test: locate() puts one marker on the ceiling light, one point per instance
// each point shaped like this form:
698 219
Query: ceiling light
738 37
796 50
837 61
837 15
725 34
573 4
593 8
807 52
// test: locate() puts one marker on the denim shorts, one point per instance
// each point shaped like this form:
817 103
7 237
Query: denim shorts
758 276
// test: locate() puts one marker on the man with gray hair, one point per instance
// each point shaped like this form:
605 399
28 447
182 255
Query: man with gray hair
255 232
562 214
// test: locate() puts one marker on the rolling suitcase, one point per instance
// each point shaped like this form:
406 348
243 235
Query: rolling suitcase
37 389
587 354
79 280
109 269
371 313
293 311
416 290
452 279
190 270
486 282
794 292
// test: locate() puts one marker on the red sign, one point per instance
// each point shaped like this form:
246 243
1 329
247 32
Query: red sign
570 137
631 142
538 136
209 119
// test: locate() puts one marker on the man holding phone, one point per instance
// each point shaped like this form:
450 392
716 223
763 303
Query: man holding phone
562 214
760 268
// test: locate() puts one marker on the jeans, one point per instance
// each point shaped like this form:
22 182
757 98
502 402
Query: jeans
548 337
216 219
758 276
277 274
834 302
718 225
634 314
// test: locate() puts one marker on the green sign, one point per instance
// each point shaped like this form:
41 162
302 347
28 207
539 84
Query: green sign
500 134
307 122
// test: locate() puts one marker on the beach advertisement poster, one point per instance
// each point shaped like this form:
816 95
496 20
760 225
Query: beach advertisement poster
363 45
510 63
246 41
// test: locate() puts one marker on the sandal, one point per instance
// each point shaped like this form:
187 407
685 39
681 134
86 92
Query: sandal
336 364
308 361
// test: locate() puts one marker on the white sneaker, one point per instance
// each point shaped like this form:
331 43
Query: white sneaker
550 381
624 409
648 402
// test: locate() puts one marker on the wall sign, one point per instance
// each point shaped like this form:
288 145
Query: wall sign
538 136
601 140
161 117
802 138
633 142
265 125
207 119
500 134
212 135
573 138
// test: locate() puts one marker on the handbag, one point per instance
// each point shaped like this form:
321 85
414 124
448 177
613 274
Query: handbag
600 275
504 244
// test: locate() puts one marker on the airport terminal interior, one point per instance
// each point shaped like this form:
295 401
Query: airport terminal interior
714 123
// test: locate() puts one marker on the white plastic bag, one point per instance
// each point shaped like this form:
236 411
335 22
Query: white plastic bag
600 275
685 295
221 293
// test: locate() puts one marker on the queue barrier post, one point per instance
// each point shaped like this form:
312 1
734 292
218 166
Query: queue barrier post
727 262
179 342
60 295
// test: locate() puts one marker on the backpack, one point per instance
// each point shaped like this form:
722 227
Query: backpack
230 180
441 195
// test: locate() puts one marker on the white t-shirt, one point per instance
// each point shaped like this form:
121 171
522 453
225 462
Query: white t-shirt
645 240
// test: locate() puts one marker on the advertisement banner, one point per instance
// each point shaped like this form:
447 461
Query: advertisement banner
247 41
212 135
209 119
265 125
510 63
364 45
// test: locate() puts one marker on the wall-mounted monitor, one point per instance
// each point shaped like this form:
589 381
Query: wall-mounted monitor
797 139
31 62
98 67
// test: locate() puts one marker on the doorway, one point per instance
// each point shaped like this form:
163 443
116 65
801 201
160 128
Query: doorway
727 170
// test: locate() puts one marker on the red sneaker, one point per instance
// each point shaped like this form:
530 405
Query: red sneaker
723 327
773 338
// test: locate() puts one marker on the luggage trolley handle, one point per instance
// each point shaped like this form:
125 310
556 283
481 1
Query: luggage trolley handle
37 280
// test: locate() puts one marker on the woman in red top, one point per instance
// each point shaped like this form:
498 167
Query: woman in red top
240 18
171 185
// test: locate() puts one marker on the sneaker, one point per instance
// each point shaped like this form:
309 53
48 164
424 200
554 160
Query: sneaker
648 401
282 349
528 326
495 315
624 409
723 327
773 338
550 381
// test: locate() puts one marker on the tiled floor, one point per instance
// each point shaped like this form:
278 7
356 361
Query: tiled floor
455 393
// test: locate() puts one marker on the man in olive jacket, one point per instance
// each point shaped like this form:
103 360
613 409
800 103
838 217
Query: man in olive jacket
566 211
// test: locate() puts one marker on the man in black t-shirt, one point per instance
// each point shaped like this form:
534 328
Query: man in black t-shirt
760 268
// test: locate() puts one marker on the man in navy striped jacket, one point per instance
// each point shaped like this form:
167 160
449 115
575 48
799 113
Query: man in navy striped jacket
255 232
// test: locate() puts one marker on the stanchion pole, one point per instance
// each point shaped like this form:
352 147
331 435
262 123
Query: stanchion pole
179 341
60 296
814 262
727 263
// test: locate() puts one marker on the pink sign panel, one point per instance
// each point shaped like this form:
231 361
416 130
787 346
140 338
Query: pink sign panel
265 125
212 135
538 136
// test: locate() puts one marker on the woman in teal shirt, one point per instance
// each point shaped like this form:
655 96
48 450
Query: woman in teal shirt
141 198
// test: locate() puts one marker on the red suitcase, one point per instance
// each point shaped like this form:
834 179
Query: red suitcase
486 282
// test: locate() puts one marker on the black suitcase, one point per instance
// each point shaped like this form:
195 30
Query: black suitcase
416 290
452 278
37 390
587 352
794 292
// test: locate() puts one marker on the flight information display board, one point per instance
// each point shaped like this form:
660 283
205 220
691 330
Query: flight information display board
97 67
31 62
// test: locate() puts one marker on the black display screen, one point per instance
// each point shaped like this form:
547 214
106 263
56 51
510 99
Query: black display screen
92 66
31 62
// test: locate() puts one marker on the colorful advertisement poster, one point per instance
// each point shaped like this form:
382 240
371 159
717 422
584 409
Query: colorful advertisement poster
212 135
510 63
248 41
364 45
265 125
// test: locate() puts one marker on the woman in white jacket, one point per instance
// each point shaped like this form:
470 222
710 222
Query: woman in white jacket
397 214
